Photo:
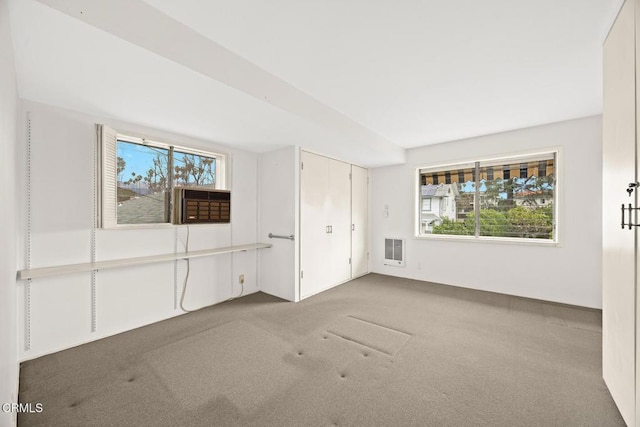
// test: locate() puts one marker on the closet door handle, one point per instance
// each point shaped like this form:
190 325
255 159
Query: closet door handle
353 227
622 222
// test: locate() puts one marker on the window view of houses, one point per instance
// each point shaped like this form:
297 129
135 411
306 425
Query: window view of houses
438 203
503 200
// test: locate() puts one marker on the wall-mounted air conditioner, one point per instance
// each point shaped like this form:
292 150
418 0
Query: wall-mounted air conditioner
201 206
394 252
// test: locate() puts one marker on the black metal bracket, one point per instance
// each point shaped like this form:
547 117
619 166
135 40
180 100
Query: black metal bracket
630 208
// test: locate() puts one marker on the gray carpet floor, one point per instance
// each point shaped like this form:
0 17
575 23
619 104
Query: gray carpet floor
377 351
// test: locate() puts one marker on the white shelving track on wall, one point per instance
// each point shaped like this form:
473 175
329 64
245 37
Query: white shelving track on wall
33 273
27 285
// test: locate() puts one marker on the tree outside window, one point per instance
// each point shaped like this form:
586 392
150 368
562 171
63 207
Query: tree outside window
147 174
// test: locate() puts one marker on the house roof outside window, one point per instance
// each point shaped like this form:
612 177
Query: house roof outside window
440 190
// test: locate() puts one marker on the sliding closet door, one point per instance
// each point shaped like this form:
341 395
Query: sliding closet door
339 202
325 223
315 267
619 257
359 221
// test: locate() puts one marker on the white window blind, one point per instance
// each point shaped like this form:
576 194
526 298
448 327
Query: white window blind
107 179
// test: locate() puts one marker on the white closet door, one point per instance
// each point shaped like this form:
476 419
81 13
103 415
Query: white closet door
314 220
635 288
619 258
359 221
339 204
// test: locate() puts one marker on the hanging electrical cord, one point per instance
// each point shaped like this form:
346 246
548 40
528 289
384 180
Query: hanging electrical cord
231 298
186 277
241 292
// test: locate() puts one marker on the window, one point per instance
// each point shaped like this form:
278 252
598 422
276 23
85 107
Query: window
142 184
138 177
500 198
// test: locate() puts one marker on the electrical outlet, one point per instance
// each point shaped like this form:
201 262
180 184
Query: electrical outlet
241 279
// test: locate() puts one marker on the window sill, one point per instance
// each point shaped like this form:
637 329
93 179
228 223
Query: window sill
487 239
160 226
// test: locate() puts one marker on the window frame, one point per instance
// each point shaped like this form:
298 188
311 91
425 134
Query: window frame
104 132
511 157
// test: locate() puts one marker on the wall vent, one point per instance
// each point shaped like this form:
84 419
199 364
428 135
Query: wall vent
394 252
200 206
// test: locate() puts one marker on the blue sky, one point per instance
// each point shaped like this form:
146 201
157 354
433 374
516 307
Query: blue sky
138 158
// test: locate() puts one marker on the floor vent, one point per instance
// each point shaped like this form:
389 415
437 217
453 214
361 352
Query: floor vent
394 252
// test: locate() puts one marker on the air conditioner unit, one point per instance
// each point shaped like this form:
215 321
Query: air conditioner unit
201 206
394 252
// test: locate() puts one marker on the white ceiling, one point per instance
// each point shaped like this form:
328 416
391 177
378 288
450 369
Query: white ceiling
355 79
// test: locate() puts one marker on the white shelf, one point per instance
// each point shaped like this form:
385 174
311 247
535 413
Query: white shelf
126 262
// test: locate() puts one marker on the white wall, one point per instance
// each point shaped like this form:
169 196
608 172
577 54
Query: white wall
8 142
62 212
569 273
277 194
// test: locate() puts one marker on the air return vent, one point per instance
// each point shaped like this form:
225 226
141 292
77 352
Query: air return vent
394 252
201 206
